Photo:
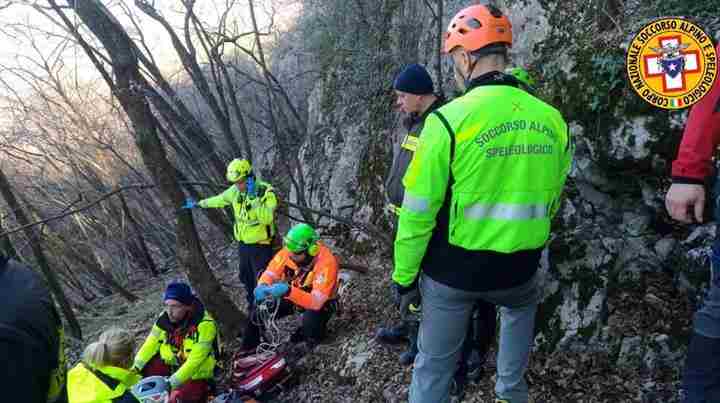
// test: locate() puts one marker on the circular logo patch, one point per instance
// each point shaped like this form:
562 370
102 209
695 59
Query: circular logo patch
671 63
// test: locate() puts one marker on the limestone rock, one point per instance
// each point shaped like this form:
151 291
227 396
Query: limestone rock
356 354
631 351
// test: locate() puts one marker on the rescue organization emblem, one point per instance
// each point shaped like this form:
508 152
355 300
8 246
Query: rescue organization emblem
671 63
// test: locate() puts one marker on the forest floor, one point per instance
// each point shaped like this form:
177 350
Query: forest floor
350 366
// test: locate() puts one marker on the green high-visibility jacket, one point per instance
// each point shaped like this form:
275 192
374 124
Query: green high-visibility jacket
88 384
188 350
253 215
503 157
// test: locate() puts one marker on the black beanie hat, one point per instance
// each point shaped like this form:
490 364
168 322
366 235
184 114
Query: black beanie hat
414 79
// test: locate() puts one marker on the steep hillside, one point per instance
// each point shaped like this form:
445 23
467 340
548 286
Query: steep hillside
620 279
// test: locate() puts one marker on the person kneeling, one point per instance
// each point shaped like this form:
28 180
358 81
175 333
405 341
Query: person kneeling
304 273
103 375
182 345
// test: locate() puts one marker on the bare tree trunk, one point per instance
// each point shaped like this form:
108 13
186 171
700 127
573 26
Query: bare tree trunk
67 252
244 134
216 216
40 257
297 181
129 87
97 271
146 259
187 57
85 255
73 282
6 245
165 241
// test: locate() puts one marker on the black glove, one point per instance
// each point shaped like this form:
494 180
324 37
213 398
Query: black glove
406 296
395 289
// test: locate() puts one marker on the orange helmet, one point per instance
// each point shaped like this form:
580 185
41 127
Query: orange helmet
478 26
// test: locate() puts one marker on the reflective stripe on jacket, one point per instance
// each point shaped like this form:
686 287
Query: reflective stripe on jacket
253 215
188 349
86 384
404 147
308 290
508 165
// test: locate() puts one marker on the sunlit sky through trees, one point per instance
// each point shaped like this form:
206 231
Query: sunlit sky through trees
28 37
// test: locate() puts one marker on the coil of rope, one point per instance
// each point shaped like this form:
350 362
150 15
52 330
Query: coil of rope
267 311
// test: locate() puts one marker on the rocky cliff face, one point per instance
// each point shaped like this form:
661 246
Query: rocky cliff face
621 278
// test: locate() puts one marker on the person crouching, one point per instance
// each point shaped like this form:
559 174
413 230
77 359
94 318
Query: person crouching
303 277
182 345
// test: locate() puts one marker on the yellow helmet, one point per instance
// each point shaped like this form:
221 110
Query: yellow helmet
238 169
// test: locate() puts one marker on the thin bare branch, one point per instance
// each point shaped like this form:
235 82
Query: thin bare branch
367 228
80 209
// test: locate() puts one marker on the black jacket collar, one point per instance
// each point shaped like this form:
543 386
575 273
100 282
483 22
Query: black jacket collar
492 78
195 318
415 118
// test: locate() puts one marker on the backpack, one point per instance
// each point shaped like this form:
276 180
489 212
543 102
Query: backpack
255 375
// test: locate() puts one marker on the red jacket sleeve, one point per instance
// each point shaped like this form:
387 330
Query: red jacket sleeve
701 137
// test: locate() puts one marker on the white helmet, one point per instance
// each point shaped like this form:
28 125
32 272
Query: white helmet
153 389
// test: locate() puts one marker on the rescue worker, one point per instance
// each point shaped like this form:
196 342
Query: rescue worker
253 202
685 201
303 276
480 193
416 97
103 375
31 337
414 91
182 345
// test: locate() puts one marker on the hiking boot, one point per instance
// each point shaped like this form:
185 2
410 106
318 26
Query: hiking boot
476 365
392 335
457 386
476 374
408 357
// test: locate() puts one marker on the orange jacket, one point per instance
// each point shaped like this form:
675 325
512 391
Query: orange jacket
309 291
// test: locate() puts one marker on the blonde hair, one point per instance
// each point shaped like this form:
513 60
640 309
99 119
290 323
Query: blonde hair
114 347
